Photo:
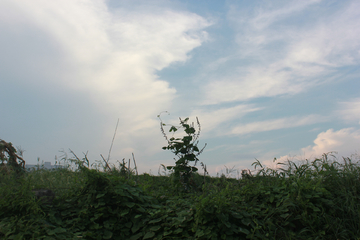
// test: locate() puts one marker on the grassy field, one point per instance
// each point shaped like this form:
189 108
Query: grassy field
317 199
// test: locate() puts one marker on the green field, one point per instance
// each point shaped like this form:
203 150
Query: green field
318 199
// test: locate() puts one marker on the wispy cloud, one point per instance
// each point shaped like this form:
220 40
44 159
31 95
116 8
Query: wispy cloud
283 56
216 121
77 66
349 110
266 17
276 124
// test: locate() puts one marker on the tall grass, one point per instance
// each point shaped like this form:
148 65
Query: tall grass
318 199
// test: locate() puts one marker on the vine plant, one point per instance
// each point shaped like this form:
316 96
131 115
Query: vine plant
185 149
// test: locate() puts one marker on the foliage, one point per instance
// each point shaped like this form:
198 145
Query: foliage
9 159
185 149
312 200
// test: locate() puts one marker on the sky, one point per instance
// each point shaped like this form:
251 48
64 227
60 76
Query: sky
266 79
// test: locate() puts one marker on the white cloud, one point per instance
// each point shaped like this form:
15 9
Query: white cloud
333 41
284 56
113 50
215 121
342 143
261 81
275 124
345 141
350 110
266 17
112 55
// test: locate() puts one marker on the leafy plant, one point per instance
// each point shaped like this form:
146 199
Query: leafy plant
185 149
316 199
8 155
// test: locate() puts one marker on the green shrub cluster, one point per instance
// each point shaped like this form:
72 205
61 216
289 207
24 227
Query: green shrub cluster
310 200
186 150
313 200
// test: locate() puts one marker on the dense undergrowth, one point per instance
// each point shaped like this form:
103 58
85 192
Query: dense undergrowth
310 200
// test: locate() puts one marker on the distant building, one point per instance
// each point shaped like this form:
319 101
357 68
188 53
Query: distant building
45 165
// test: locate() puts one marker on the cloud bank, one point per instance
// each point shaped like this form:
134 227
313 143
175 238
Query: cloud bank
276 55
110 56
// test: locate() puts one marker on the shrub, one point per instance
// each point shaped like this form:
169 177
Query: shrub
185 149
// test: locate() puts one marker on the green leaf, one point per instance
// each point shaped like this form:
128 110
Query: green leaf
236 215
149 235
126 211
107 234
316 209
190 130
50 232
56 231
246 221
173 129
155 228
244 230
100 195
199 233
136 227
60 230
128 224
155 220
137 236
180 161
187 139
177 231
130 204
167 233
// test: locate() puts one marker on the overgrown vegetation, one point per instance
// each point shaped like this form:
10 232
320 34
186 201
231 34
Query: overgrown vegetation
186 150
317 199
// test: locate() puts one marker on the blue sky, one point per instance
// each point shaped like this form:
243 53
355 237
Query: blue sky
265 78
